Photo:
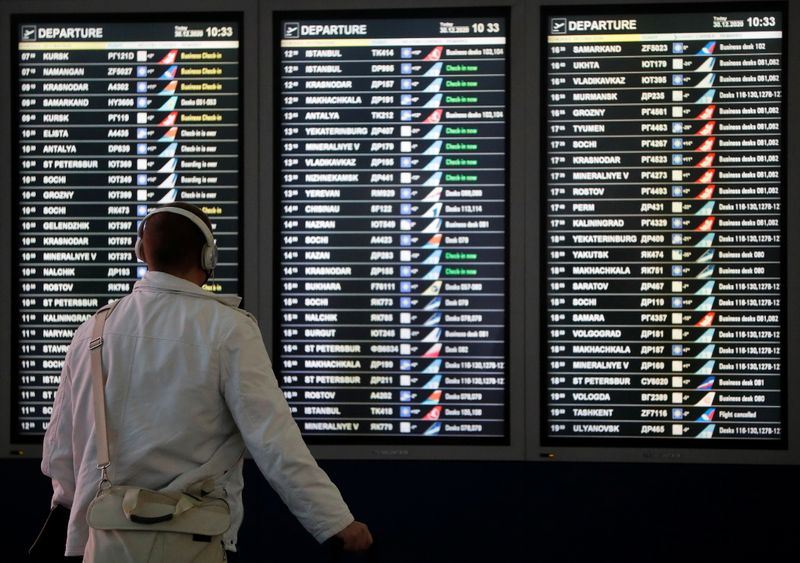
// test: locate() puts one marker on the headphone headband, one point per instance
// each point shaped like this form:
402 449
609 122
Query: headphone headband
208 257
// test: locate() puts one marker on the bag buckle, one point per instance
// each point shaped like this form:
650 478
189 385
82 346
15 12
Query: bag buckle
96 343
105 482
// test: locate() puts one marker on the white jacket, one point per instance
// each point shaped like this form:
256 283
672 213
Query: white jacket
189 386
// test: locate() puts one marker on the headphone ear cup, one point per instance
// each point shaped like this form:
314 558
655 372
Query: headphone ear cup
209 257
137 249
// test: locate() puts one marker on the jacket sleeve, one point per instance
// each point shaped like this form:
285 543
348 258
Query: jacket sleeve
57 455
273 438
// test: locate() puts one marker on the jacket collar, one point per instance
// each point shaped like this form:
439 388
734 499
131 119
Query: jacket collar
163 282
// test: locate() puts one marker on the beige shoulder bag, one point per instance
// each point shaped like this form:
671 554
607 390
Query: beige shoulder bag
132 524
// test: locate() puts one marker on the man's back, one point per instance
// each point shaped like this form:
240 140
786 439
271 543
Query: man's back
167 413
164 393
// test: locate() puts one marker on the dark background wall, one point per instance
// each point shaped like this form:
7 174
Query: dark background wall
491 512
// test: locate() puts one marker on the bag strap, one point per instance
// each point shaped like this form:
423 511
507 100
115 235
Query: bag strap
98 391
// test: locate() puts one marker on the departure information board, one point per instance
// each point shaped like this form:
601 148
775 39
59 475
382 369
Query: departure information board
664 229
392 227
113 119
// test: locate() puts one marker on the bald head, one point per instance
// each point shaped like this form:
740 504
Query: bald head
173 244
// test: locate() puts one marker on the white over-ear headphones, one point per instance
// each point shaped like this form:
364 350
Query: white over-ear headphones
208 256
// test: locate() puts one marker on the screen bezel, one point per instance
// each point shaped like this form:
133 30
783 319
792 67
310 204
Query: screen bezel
666 442
14 13
542 448
411 448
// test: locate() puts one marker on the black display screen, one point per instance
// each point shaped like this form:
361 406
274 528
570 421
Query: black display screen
392 227
112 119
664 228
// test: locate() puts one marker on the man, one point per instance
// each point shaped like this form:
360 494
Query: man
189 386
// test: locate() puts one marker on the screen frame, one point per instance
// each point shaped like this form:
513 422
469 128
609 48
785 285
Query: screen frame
537 446
525 198
513 448
242 11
